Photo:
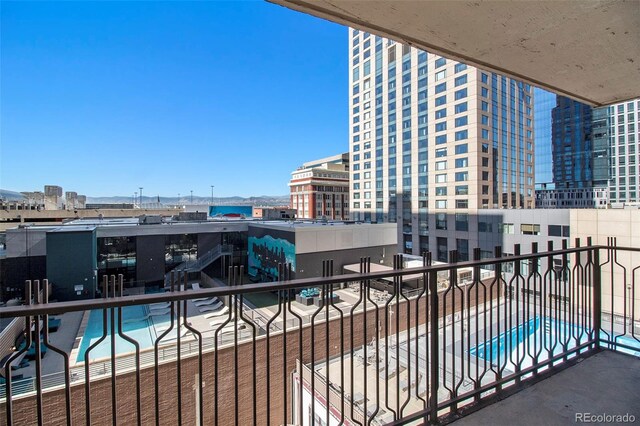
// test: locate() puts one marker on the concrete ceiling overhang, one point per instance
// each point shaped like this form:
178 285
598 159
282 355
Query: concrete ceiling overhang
587 50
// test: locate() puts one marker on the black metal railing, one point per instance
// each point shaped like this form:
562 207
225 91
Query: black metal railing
406 345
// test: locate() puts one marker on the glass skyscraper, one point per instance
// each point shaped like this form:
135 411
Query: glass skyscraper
568 154
544 102
432 141
571 144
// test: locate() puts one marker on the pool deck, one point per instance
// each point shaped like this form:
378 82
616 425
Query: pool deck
63 339
605 383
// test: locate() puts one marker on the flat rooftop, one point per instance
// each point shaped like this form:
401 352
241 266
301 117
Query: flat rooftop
605 383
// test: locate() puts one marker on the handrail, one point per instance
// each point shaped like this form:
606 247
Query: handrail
442 346
81 305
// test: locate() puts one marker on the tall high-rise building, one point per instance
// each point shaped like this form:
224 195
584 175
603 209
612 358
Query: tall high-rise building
569 172
624 146
571 144
432 141
544 103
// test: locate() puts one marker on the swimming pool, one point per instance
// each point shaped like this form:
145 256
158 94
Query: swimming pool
135 323
539 335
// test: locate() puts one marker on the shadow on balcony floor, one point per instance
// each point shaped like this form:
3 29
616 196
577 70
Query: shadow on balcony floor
605 383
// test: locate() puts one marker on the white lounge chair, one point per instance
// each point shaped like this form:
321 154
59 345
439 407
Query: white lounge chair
222 320
195 286
218 313
159 306
206 302
212 308
183 332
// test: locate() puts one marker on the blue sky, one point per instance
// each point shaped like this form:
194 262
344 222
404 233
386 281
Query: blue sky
104 97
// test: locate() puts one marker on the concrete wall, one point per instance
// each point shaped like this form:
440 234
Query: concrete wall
327 237
27 241
310 264
617 284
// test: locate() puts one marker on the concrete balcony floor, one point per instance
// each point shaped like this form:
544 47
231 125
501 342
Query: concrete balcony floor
605 383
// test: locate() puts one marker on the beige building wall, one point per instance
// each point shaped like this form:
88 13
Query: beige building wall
620 275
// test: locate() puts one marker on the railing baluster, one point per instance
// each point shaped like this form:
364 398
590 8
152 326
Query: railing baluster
268 349
38 350
112 332
156 354
180 287
87 378
434 354
136 345
364 265
7 365
597 295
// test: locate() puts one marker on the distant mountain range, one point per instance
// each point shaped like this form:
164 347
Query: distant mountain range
260 200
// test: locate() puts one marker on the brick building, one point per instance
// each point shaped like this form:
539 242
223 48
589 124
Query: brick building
320 189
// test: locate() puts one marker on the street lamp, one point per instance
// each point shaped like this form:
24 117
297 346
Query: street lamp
135 198
140 197
212 194
192 196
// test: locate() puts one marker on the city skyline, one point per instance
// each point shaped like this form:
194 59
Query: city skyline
109 97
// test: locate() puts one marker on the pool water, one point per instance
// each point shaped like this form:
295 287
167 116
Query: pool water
135 324
538 335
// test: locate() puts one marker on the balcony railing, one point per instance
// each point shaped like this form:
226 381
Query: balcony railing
415 345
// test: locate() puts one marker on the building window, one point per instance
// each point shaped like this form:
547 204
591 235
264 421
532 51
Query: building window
460 94
460 67
441 204
462 162
459 81
442 250
461 121
462 176
506 228
462 204
463 249
462 190
461 148
462 135
441 87
461 107
530 229
440 62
